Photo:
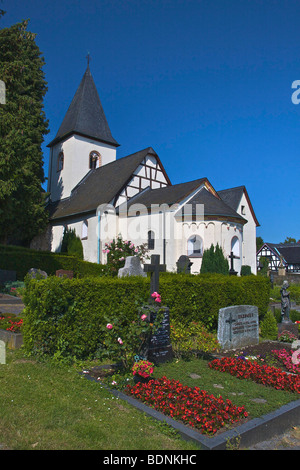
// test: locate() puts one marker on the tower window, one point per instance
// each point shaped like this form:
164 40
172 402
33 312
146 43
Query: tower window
60 161
95 160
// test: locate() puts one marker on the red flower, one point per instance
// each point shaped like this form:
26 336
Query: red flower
193 406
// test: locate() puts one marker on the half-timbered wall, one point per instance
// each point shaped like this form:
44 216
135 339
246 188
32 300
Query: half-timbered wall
148 173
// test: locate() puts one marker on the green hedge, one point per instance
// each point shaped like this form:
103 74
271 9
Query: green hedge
64 316
21 259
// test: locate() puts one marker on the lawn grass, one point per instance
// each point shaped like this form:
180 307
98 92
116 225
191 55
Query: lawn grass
50 407
45 406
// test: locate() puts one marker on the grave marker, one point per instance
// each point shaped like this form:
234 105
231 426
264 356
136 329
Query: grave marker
159 347
63 273
238 326
154 268
132 267
2 352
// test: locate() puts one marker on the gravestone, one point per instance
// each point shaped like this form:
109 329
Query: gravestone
36 273
238 326
159 348
7 276
2 92
184 264
132 267
64 273
2 352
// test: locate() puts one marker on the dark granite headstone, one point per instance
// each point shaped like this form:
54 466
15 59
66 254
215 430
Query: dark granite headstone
184 264
159 347
7 276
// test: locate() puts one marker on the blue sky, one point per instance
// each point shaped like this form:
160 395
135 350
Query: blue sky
206 83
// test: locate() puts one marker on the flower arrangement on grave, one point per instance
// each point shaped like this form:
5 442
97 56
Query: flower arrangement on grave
118 249
143 368
287 337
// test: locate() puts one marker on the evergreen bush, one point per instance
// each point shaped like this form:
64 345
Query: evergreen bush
268 326
214 261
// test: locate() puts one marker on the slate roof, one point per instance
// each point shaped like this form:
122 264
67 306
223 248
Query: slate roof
85 115
233 196
100 186
213 205
167 195
289 252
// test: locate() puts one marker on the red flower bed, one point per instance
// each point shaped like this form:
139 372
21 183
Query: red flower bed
193 406
262 374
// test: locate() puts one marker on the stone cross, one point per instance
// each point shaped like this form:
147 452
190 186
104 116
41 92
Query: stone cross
230 321
232 257
154 268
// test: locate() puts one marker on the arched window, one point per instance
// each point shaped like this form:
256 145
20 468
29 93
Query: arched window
151 238
235 246
84 230
195 246
95 160
60 161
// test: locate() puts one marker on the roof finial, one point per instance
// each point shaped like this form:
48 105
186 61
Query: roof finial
88 58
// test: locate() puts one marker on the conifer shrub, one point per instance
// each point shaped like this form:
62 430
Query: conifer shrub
268 326
214 261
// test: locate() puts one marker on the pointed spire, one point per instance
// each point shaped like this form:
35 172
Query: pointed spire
85 115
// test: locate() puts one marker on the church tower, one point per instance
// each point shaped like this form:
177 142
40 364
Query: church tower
83 142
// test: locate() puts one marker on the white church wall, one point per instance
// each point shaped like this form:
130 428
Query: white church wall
249 235
76 151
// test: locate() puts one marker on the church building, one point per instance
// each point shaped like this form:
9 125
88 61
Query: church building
103 196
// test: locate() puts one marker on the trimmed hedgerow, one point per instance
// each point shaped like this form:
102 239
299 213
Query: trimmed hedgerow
21 259
64 317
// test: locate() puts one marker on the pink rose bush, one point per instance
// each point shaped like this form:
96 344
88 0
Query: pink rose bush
118 249
123 340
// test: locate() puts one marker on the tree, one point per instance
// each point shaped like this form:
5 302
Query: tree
214 261
71 244
259 243
22 129
290 240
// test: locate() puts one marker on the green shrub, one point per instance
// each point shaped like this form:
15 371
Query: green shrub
245 270
21 259
268 326
71 244
214 261
189 339
65 317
